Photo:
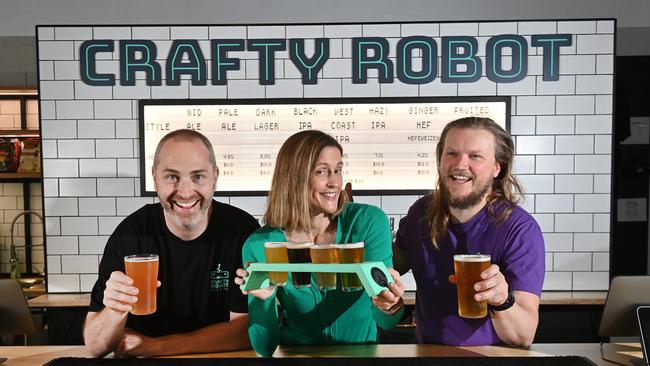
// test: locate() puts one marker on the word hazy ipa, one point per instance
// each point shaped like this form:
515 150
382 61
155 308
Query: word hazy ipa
468 268
276 252
143 270
325 254
299 253
350 253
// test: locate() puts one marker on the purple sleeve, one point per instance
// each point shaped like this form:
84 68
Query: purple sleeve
524 258
408 225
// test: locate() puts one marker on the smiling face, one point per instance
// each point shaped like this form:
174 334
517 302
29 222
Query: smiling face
185 181
467 167
326 181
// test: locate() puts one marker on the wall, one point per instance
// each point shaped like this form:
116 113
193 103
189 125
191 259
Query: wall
563 132
18 18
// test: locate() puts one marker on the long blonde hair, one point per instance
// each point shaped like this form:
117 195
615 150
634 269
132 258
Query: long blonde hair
505 187
289 202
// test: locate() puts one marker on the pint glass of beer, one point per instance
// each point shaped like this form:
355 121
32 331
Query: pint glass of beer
276 252
299 253
350 253
468 268
325 254
143 270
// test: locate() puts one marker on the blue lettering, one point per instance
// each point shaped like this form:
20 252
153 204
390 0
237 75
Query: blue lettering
551 44
457 51
494 56
309 67
361 61
428 70
88 62
194 66
266 49
221 63
130 63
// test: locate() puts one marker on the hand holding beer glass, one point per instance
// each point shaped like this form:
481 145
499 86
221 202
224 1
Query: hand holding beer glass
468 268
143 270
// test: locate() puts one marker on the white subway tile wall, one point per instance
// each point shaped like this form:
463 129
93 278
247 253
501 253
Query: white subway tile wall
562 130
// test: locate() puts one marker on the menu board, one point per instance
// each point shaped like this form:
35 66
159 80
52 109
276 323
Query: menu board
388 143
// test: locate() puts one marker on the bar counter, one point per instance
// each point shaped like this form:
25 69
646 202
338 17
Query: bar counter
38 355
548 298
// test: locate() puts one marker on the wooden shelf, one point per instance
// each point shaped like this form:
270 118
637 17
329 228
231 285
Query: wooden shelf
21 177
20 133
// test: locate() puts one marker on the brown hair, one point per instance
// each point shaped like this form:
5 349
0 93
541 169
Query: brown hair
505 187
185 135
289 203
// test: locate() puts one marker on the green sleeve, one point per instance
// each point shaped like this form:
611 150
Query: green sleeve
263 323
378 244
377 236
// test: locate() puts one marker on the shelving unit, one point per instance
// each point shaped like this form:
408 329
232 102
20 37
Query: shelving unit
23 95
30 177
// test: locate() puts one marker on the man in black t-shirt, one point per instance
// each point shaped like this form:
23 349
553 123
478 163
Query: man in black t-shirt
198 241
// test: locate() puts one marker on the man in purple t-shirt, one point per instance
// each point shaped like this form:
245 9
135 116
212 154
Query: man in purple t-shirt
473 210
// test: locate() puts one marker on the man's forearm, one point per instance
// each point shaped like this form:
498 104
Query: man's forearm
227 336
103 331
517 325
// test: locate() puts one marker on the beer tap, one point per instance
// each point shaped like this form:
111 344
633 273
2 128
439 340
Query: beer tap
13 252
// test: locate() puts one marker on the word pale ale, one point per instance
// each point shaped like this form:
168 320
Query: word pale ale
468 268
143 270
276 252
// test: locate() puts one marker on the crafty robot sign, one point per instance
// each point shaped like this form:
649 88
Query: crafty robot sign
460 63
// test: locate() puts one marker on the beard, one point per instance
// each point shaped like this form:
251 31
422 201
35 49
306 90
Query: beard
474 198
187 222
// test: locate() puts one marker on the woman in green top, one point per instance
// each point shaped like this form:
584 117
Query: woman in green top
307 204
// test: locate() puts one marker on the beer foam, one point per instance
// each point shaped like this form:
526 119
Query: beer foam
323 246
138 258
472 257
299 245
275 244
352 245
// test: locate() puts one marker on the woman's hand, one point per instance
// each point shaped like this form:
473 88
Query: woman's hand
262 294
391 301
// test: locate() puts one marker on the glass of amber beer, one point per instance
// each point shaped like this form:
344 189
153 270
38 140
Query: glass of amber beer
325 254
468 268
143 270
276 252
350 253
299 253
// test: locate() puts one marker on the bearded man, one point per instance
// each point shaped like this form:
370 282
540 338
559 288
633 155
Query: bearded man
199 243
473 210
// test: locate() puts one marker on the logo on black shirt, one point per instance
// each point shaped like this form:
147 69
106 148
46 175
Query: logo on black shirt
219 279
